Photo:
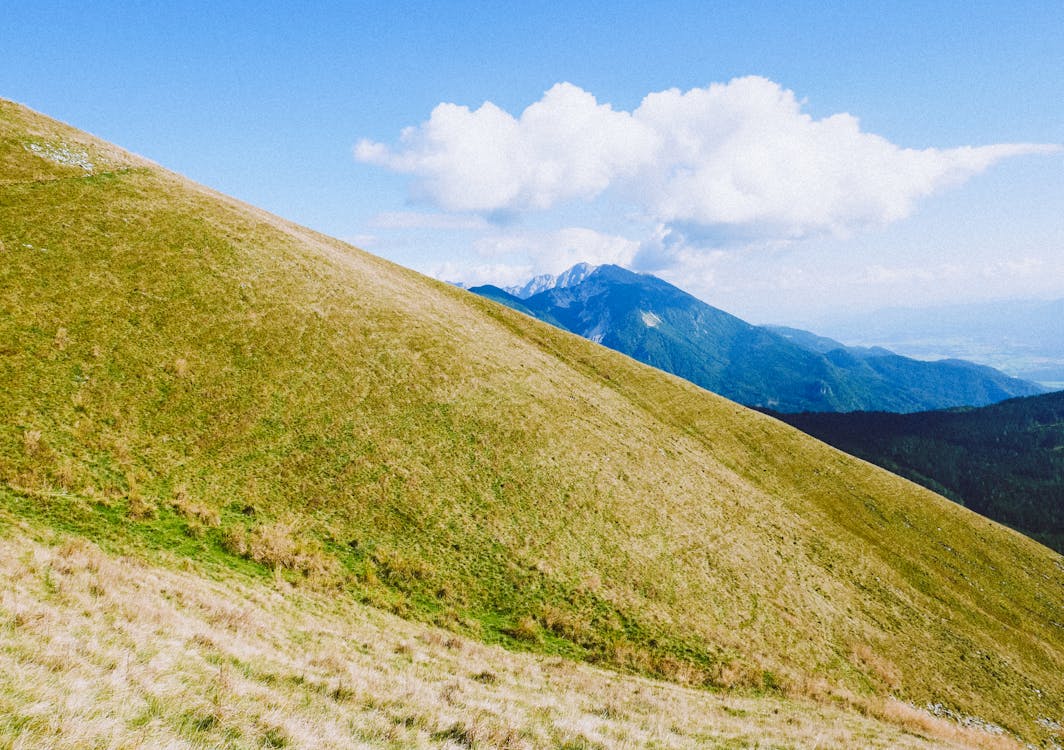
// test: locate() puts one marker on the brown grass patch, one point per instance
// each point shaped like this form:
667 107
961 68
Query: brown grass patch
525 629
919 722
193 511
399 570
877 666
742 675
66 474
31 442
564 623
279 546
680 671
140 508
78 553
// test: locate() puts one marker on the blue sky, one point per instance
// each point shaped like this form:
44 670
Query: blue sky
269 102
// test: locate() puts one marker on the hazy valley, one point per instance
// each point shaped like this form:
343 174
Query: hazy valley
1024 338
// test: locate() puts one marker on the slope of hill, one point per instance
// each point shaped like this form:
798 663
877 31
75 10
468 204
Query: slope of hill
1005 461
784 369
205 658
188 377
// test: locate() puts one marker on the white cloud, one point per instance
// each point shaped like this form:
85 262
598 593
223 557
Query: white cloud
564 146
741 158
416 220
362 240
497 274
513 257
553 252
982 274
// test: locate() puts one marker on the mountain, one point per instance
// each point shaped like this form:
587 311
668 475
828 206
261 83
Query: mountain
1021 337
204 390
512 301
544 282
780 368
823 345
1005 461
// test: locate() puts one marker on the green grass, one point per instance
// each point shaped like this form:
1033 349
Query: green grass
185 375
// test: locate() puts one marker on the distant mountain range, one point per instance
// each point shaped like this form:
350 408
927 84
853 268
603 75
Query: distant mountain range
784 369
1024 338
1004 461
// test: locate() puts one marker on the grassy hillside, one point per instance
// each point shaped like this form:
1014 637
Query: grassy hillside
212 659
186 374
1005 461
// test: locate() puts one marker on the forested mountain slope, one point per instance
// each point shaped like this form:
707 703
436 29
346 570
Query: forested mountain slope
1005 461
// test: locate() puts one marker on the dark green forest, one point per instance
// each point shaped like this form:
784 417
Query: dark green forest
1005 461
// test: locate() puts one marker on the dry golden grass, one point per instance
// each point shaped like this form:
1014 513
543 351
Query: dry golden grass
280 545
193 511
97 651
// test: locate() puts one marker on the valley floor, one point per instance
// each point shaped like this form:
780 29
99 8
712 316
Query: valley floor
108 652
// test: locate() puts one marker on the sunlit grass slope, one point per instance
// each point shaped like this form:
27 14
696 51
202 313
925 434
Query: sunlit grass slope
182 372
161 657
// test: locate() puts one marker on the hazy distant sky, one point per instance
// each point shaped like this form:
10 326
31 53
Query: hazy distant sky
777 162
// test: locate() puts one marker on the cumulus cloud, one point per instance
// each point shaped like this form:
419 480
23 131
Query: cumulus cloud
741 158
564 146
